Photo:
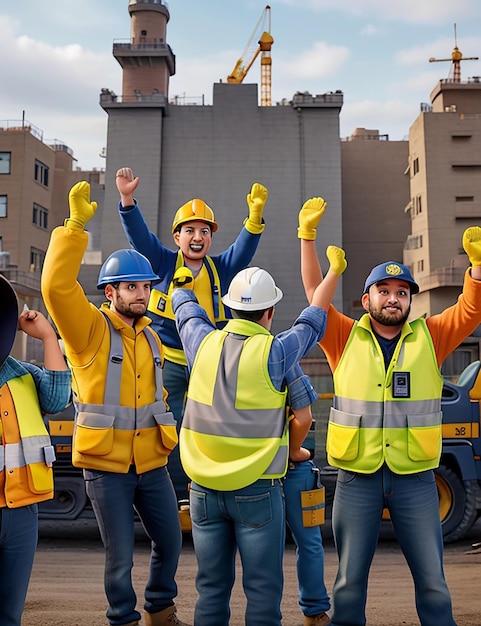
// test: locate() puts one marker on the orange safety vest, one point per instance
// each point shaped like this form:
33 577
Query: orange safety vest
25 476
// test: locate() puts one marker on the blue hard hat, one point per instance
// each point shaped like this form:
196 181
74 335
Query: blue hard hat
125 265
8 317
390 269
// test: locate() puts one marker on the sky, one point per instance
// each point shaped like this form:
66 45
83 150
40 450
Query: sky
57 56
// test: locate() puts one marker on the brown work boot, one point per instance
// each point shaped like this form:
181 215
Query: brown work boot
167 617
321 619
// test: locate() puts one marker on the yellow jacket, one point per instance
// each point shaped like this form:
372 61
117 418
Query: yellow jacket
140 432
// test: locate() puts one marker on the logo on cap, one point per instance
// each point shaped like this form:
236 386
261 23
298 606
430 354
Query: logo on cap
393 269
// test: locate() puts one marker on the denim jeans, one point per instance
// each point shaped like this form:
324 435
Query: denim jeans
313 596
176 380
18 542
114 498
356 521
251 520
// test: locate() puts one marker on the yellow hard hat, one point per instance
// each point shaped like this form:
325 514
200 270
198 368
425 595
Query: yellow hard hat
195 209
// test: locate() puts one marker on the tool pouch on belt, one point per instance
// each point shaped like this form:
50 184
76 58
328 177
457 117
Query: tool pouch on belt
313 503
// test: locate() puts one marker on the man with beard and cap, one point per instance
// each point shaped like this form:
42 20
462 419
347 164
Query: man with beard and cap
124 431
385 430
26 454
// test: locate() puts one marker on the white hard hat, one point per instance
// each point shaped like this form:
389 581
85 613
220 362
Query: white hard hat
252 289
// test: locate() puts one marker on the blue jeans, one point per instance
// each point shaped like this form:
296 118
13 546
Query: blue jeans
250 519
356 521
176 380
313 596
114 498
18 542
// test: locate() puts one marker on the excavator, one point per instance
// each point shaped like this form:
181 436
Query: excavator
263 47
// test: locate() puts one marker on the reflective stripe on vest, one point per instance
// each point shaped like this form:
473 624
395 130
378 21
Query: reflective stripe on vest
29 451
367 425
234 429
124 417
160 303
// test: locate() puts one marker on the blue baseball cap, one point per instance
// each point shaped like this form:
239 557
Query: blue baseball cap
390 269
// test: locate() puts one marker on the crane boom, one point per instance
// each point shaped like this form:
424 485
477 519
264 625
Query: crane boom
263 42
456 58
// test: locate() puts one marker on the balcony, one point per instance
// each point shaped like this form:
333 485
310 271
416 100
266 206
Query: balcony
442 277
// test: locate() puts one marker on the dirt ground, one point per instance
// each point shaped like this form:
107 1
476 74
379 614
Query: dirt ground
66 587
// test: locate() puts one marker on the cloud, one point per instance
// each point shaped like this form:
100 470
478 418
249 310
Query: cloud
321 60
415 11
393 117
58 88
370 30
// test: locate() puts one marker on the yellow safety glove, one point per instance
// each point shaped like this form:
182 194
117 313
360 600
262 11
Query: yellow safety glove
81 209
183 277
256 201
337 259
472 244
310 216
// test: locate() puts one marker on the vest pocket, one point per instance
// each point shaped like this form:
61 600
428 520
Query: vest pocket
343 435
424 441
94 433
40 478
168 432
161 304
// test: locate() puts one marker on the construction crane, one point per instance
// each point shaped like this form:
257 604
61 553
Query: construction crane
260 42
456 58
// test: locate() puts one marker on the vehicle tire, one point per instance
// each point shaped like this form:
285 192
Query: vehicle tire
68 502
457 503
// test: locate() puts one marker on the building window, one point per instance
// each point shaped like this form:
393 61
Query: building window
41 173
415 166
413 242
3 206
36 259
421 266
418 205
464 198
40 216
5 162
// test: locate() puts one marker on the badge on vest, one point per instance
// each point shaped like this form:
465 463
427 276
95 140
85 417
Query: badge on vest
161 304
401 385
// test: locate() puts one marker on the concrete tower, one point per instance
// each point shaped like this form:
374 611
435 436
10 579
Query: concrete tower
136 118
147 61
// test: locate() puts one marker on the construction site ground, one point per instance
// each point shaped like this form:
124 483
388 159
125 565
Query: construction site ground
66 587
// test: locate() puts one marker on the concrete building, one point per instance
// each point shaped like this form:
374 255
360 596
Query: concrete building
374 192
444 170
35 178
216 152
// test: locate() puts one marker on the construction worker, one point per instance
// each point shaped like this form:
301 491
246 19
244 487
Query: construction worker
123 432
26 454
192 230
384 431
234 440
304 497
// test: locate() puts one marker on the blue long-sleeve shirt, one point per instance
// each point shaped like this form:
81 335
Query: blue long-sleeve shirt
163 260
287 349
53 386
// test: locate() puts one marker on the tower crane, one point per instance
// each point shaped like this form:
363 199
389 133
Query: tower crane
261 38
456 58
